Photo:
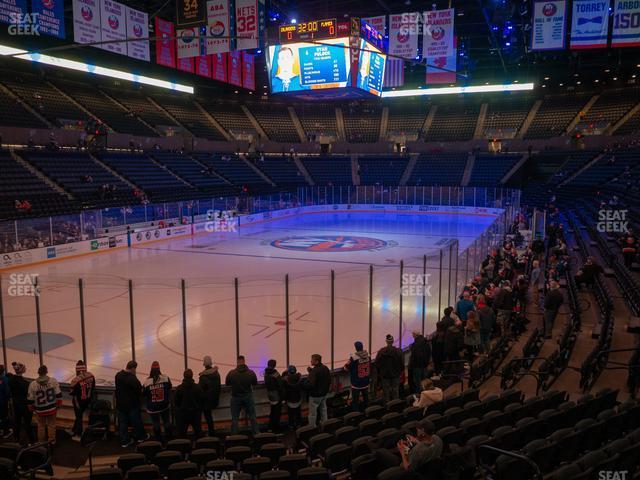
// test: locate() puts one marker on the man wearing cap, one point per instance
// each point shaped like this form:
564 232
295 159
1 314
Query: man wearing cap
156 390
390 365
359 368
417 451
83 388
22 416
45 398
128 398
209 381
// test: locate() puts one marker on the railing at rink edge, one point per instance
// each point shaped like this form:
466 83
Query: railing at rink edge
448 268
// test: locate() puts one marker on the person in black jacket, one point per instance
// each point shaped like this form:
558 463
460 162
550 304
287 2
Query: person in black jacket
189 400
242 380
552 302
293 395
210 384
273 382
318 385
22 416
128 399
389 364
420 357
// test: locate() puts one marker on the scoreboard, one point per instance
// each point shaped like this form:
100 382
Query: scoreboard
305 31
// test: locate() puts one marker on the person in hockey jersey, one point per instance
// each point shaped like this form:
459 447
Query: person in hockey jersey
157 394
359 368
44 399
83 387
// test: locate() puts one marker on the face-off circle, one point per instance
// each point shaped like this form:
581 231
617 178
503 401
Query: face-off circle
329 243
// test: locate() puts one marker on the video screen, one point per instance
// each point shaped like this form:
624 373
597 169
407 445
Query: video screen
308 66
371 68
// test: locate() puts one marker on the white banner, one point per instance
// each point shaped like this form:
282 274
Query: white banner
218 26
589 24
138 27
549 25
379 23
403 35
113 26
626 24
188 43
86 21
437 35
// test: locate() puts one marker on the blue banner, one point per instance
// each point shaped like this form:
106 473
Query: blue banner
49 16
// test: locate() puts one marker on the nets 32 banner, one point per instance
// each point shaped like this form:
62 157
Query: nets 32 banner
626 24
403 35
220 31
589 24
250 23
549 25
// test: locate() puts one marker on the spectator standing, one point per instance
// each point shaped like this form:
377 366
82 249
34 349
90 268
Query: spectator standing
189 401
83 388
128 398
390 365
157 392
318 385
210 382
45 398
420 356
359 368
22 415
293 396
273 383
552 302
242 380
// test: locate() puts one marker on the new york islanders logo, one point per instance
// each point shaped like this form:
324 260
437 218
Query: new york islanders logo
329 243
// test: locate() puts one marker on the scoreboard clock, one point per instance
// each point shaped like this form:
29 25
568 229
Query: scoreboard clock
305 31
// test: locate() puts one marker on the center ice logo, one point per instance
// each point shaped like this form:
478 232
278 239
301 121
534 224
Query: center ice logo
329 243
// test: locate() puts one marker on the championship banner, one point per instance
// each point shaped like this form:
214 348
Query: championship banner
626 24
437 38
13 11
203 66
191 13
220 29
234 69
165 44
219 67
113 26
379 23
250 24
86 21
185 65
443 69
403 35
549 25
49 17
249 71
188 43
138 27
589 24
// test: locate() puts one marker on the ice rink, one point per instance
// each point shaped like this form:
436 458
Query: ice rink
306 248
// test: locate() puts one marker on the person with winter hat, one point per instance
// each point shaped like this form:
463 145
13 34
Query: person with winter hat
273 382
359 368
5 396
83 388
209 381
22 415
390 366
45 398
293 396
156 391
